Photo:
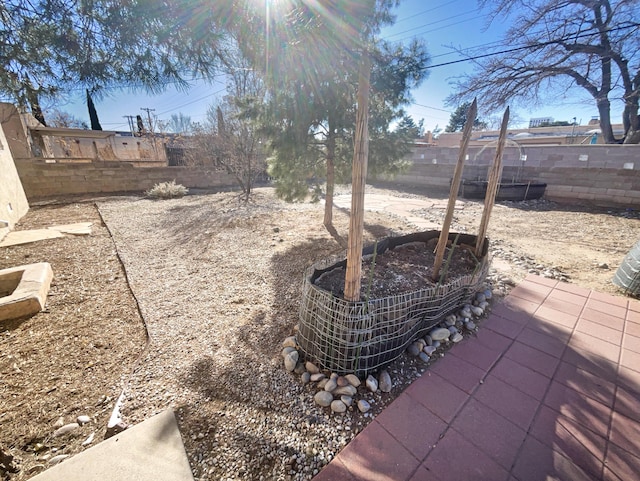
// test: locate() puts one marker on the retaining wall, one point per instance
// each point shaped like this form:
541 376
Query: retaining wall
602 174
42 179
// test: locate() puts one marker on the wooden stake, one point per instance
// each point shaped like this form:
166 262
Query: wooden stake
492 185
358 182
455 186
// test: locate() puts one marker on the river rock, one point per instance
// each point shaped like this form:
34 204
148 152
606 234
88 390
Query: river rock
429 350
413 349
83 419
453 329
345 391
291 360
424 357
488 294
58 459
342 381
480 297
428 340
89 439
289 342
477 311
312 368
384 381
470 325
338 406
317 376
457 337
353 380
299 368
287 350
323 398
347 400
322 383
305 377
67 428
436 344
371 383
363 406
331 385
466 312
440 334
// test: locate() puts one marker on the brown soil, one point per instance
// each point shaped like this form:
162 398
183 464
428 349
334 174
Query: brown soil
406 268
73 358
219 285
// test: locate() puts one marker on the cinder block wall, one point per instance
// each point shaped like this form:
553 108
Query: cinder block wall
602 174
13 202
41 179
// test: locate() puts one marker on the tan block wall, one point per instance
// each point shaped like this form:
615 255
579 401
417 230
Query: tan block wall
41 179
602 174
13 202
105 149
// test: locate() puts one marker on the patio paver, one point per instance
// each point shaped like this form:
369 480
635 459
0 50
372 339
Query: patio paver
549 389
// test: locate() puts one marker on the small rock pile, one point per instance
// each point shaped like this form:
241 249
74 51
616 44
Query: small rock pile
54 456
339 392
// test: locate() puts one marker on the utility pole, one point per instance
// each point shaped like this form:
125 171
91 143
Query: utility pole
132 125
148 111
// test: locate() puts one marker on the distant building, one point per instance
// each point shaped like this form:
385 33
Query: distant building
540 122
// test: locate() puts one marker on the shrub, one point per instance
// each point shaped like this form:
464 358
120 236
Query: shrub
167 190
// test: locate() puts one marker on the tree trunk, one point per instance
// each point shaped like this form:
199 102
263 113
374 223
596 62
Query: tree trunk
631 121
36 110
331 180
604 109
331 174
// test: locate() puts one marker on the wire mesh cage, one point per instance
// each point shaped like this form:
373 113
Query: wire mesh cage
362 337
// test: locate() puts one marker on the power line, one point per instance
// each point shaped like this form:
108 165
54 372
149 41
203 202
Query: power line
433 108
436 23
193 101
425 11
529 47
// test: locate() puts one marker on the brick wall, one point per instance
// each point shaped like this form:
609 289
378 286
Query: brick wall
41 179
603 174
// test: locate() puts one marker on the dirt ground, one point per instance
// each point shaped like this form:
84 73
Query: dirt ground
218 286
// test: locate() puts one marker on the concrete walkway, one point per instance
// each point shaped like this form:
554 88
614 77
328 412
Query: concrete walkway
149 451
548 390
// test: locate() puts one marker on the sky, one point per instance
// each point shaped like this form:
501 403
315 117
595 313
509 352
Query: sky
440 23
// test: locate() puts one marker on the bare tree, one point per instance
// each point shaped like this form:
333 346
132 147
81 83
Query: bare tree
555 47
229 138
58 118
180 123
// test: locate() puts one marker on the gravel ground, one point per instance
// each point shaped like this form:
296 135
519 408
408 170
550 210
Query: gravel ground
218 284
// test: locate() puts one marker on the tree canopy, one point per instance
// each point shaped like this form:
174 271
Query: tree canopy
50 46
555 48
312 75
459 118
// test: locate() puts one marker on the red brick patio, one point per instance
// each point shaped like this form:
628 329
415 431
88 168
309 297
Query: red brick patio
548 390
